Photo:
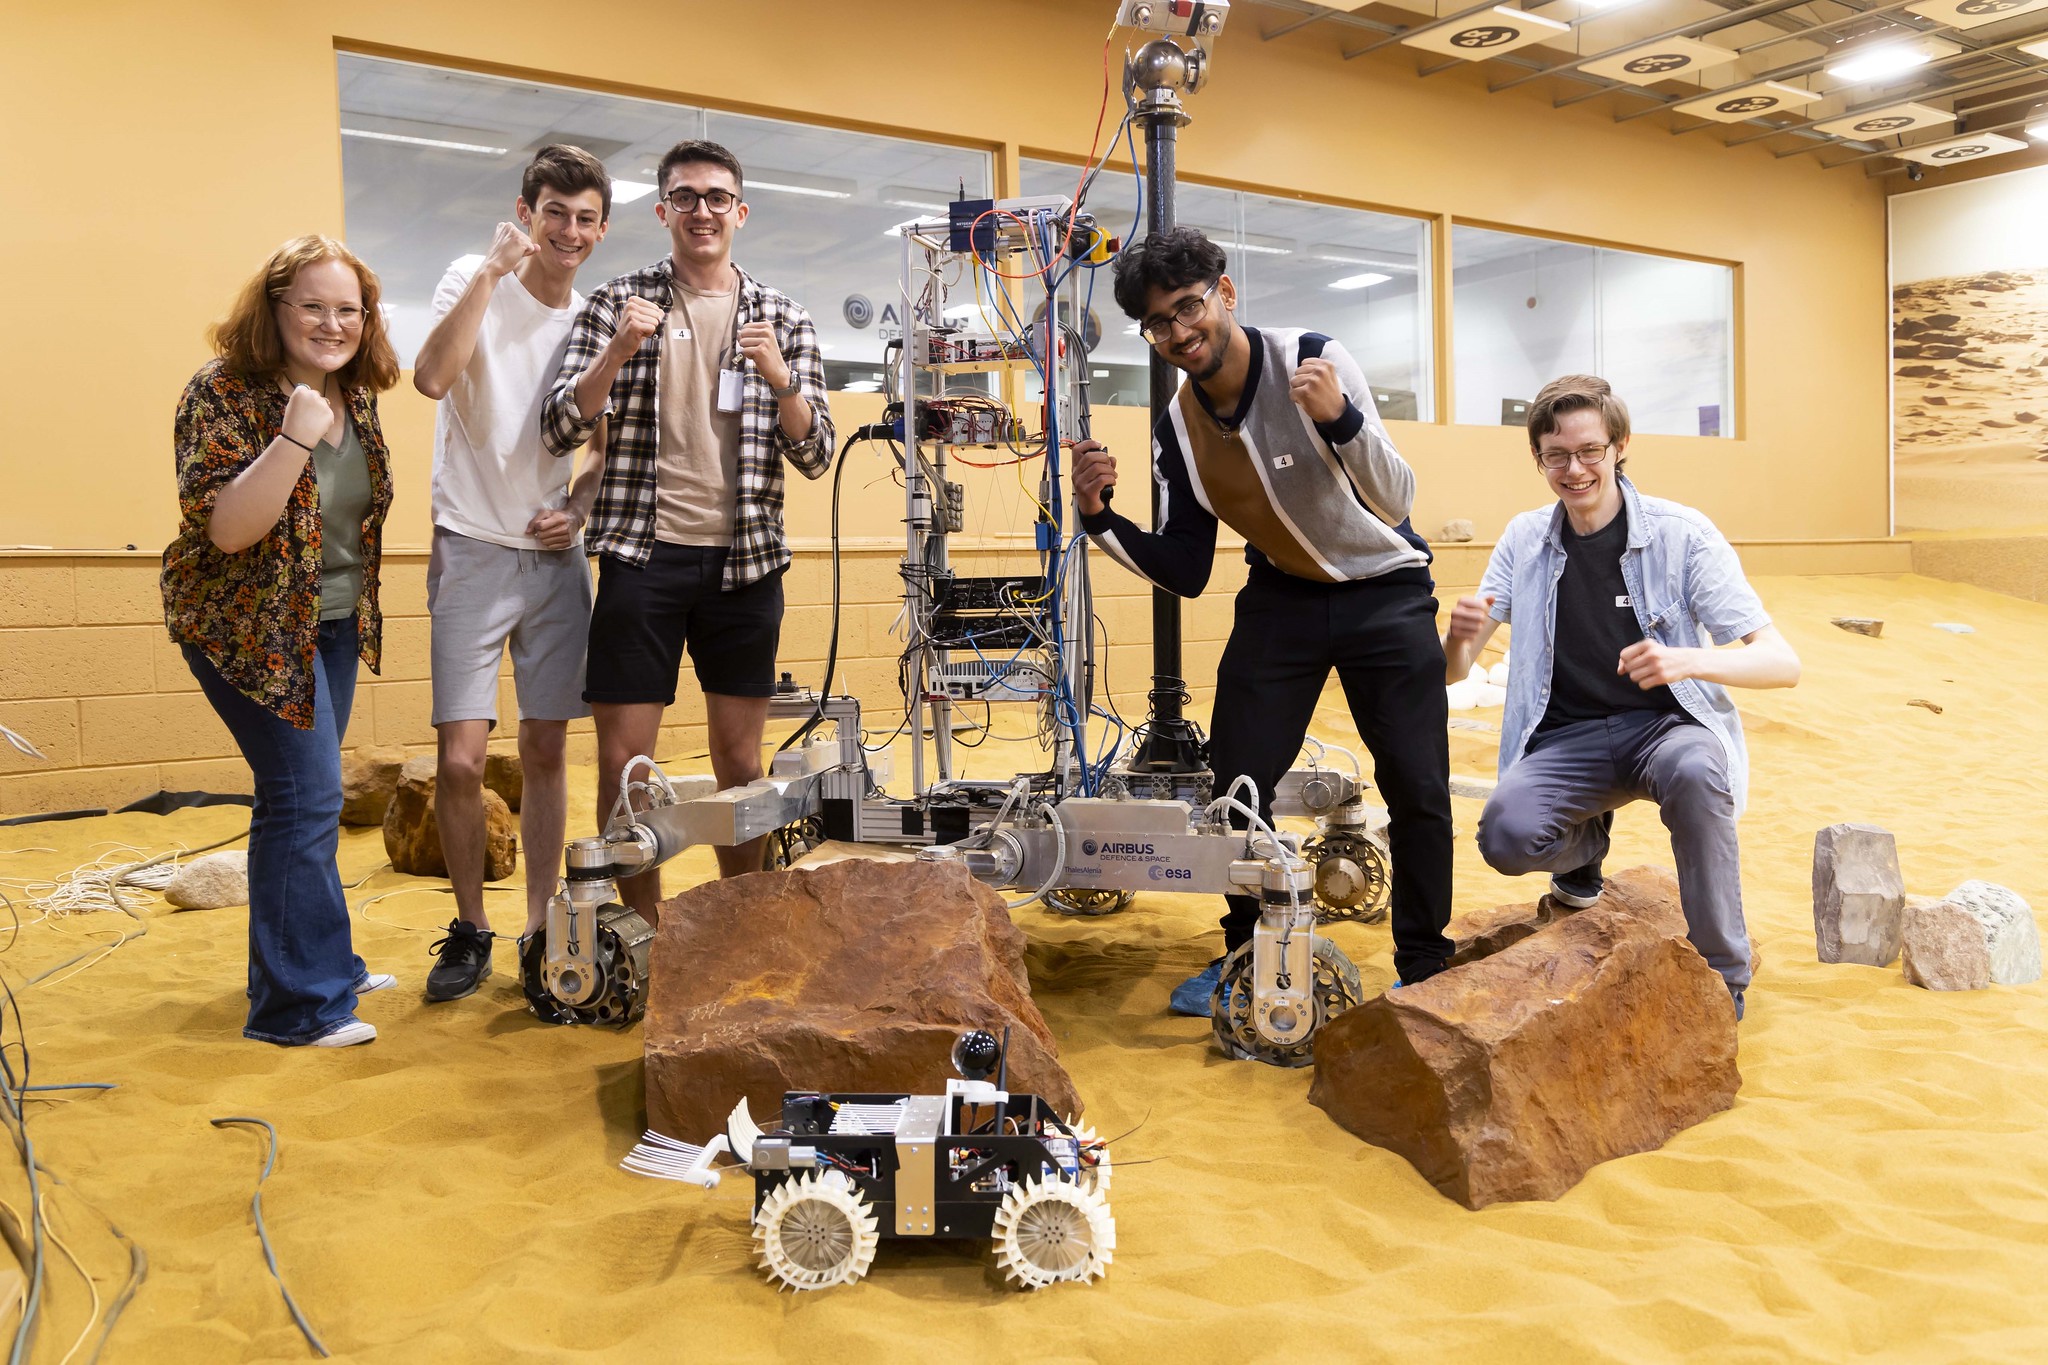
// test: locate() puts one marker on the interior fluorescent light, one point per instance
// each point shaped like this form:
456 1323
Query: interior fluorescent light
2038 131
423 141
1871 63
1368 278
910 197
1260 249
862 386
630 191
815 191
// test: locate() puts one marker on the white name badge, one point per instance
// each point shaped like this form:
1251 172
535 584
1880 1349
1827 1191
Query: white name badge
732 389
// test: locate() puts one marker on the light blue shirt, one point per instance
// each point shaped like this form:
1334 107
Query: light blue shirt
1685 584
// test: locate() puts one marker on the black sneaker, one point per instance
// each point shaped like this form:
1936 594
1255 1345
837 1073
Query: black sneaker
1579 888
465 960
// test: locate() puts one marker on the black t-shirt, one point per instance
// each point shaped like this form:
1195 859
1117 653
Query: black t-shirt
1595 622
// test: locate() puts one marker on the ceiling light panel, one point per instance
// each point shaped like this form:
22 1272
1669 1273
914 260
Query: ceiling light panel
1973 13
1875 62
1746 101
1489 33
1889 121
1974 147
1662 61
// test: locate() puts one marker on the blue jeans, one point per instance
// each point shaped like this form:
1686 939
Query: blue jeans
1544 816
303 969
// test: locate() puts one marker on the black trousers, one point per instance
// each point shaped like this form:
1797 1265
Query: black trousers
1381 638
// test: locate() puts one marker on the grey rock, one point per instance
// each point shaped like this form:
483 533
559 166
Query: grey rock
1859 898
1955 627
1457 529
213 882
2011 938
1861 625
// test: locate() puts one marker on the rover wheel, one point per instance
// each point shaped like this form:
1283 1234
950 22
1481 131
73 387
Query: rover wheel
1048 1231
815 1231
1230 1008
782 847
1351 877
1087 900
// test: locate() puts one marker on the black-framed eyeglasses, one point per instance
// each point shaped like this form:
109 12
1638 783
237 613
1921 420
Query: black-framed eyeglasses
1590 456
1159 327
683 199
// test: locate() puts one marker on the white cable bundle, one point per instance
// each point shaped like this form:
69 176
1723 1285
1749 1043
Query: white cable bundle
95 886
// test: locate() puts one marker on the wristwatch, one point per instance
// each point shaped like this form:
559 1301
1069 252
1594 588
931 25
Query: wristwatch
787 390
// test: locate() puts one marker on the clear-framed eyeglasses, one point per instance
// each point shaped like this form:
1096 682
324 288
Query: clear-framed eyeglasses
1590 456
1159 327
683 199
348 317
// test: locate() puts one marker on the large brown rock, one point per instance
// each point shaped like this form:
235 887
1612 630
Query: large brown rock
857 976
368 779
1596 1036
1649 893
412 835
505 775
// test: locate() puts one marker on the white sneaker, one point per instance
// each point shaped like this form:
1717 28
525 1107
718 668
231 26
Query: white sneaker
348 1035
375 981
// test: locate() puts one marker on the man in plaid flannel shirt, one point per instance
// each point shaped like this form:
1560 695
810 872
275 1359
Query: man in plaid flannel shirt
710 381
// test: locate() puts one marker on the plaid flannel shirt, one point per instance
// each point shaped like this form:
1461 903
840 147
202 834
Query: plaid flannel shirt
622 522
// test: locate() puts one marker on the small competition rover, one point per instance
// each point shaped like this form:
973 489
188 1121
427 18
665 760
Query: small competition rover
839 1172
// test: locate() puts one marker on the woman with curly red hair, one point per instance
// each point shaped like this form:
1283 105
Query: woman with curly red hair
271 591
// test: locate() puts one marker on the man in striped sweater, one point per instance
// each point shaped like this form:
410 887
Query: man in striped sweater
1274 433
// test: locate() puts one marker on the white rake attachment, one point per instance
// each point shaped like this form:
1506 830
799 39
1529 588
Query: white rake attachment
664 1158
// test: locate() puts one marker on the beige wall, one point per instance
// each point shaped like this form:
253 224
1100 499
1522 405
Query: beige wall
174 146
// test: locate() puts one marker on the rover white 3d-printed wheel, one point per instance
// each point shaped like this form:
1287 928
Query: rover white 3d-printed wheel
1048 1231
815 1231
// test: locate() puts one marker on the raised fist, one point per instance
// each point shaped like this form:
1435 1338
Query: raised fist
638 320
757 343
1315 390
1470 617
307 416
509 247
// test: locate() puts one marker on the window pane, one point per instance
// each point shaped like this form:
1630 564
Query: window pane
1287 257
1529 309
821 200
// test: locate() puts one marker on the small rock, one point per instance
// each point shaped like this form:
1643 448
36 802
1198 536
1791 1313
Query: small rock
1955 627
2026 417
368 778
1980 934
1925 704
1993 422
412 836
1462 696
1457 529
1937 400
1498 674
1936 321
1489 694
212 882
1859 898
1940 352
1861 625
504 775
1919 372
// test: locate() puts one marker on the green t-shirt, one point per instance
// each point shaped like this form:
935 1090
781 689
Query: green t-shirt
344 477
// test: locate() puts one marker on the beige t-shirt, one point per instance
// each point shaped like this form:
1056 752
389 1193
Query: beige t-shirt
697 466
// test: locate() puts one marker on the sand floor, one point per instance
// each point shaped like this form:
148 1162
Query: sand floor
451 1193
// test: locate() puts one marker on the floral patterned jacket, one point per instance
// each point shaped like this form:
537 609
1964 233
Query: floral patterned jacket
256 613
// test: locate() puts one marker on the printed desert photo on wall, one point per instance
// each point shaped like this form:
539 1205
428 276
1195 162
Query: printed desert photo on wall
1970 355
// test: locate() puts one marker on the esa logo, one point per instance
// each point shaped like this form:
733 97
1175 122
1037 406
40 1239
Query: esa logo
1160 872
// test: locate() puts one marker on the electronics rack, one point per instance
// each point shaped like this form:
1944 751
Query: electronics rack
1012 639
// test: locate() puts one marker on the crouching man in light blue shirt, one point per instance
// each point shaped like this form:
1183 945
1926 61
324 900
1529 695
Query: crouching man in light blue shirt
1614 691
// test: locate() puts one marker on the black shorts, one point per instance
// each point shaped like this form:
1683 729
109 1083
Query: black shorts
646 614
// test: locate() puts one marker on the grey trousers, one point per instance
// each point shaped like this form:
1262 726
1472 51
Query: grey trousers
1544 816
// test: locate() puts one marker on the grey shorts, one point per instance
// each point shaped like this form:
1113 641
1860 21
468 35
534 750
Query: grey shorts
483 597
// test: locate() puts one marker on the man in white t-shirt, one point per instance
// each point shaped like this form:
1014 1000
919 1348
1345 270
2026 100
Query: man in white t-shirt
508 565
